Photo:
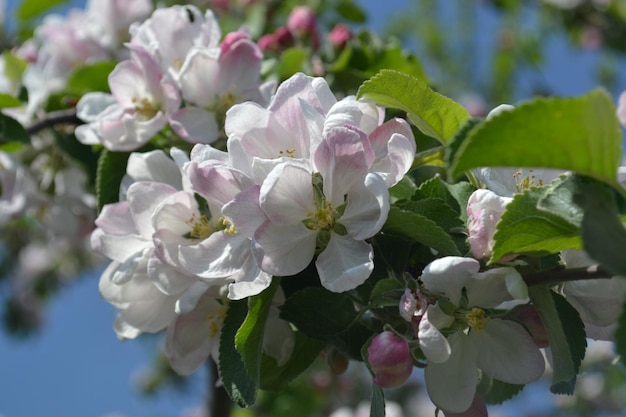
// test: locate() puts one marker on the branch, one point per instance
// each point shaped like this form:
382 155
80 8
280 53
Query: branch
55 118
557 276
219 402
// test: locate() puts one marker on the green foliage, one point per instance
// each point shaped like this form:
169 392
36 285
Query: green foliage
525 228
620 336
28 9
93 77
111 170
7 101
494 391
327 316
249 337
305 351
575 134
378 402
566 334
12 131
421 229
603 232
349 10
435 115
240 387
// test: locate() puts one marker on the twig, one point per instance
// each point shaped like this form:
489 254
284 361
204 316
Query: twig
566 275
53 119
219 402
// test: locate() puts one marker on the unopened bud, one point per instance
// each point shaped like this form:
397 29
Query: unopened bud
302 21
390 359
337 362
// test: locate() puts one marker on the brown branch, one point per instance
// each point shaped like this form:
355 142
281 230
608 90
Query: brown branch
53 119
557 276
219 403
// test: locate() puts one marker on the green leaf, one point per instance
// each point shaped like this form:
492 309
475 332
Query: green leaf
351 11
430 157
386 293
240 387
305 351
7 101
14 67
29 9
378 402
566 334
111 170
603 232
94 77
404 189
524 228
12 131
249 337
435 115
620 335
327 316
493 391
574 134
420 229
290 62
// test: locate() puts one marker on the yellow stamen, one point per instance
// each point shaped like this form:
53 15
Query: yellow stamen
524 183
323 218
216 319
145 107
289 153
201 227
229 228
477 319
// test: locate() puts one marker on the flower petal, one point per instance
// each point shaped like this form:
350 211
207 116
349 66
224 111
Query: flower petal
448 276
284 250
432 342
345 263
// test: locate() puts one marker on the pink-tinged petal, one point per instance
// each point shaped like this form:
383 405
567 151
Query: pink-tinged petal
433 343
244 211
143 198
505 351
118 247
345 263
278 337
363 115
367 208
116 219
202 152
286 195
341 159
198 77
219 256
216 182
154 166
491 288
448 276
451 385
250 281
599 302
389 358
484 210
195 125
127 82
91 105
167 279
193 336
621 108
240 69
394 146
283 250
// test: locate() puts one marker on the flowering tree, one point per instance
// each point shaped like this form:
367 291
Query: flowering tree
271 193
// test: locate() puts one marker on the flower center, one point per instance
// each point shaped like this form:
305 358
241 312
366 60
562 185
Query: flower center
524 183
322 218
229 228
477 319
145 107
289 153
216 319
201 227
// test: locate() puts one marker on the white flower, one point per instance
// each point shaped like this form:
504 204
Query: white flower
459 335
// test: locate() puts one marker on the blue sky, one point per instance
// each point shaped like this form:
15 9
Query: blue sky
76 367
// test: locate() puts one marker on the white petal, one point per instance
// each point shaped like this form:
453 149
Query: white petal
451 385
433 343
218 256
598 301
367 208
195 125
284 250
143 198
168 279
507 352
448 276
490 288
278 339
287 194
345 263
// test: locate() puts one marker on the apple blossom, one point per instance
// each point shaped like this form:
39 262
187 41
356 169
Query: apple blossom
459 335
484 209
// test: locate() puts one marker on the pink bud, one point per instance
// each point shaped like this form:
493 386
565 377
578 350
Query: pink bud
339 36
484 209
528 317
284 38
302 21
231 38
268 43
390 359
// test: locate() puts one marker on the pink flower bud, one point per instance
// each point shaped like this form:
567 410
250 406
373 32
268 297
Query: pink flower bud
302 21
528 317
268 43
339 36
390 359
231 38
484 209
284 38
